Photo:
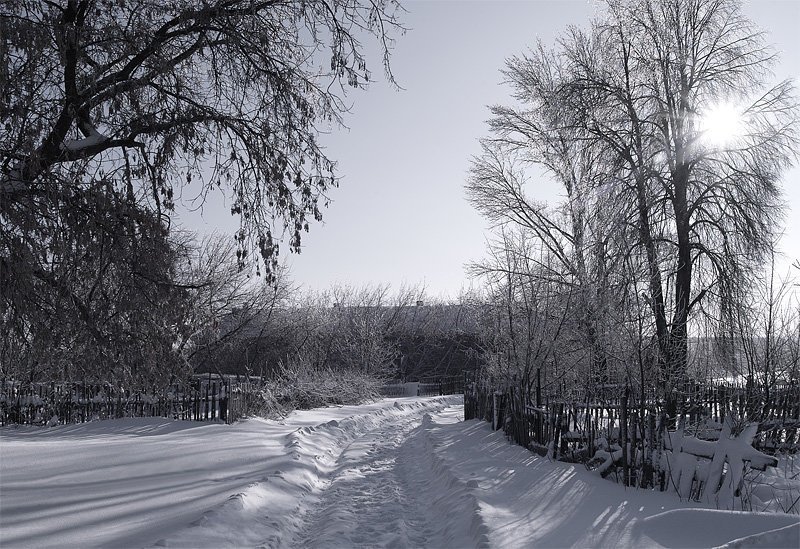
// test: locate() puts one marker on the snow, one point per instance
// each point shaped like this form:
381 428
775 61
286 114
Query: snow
726 451
528 501
712 528
396 473
139 482
93 139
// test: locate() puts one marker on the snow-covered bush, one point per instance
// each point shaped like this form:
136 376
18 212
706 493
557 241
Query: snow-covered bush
299 386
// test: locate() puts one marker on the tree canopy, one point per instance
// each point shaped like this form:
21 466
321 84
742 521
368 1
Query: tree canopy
110 108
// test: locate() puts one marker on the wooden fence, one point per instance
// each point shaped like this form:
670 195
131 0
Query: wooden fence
199 399
441 385
202 398
573 430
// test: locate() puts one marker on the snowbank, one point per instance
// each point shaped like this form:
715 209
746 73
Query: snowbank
145 481
528 501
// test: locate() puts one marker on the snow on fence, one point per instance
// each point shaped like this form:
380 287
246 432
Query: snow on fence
614 433
696 467
199 399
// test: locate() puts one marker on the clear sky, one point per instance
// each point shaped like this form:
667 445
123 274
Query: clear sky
400 214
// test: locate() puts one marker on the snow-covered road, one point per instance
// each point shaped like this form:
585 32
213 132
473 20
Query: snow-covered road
395 473
384 489
155 482
376 494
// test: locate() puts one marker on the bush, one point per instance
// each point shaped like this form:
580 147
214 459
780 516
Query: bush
301 387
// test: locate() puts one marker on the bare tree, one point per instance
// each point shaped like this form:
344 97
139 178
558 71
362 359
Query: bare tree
529 317
577 233
706 211
694 216
763 325
365 320
109 109
224 309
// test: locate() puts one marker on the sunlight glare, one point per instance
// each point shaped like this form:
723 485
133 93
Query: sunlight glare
720 124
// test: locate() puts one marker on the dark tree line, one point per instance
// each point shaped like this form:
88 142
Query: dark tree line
389 335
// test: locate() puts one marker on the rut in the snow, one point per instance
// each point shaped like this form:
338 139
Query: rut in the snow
388 489
372 498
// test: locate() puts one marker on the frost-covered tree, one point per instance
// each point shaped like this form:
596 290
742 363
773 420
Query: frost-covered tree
673 101
542 130
652 81
528 316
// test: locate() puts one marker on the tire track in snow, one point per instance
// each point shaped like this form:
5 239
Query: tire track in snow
388 489
271 511
370 500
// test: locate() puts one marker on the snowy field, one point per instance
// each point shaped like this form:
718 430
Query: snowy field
397 473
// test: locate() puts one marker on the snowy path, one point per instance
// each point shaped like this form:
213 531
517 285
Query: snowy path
156 482
373 495
388 488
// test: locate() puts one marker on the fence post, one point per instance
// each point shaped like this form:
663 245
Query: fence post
623 435
538 387
557 419
494 411
466 405
223 401
214 401
206 404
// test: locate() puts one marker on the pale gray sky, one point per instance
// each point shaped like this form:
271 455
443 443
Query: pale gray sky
400 215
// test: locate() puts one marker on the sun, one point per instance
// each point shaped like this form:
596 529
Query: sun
721 124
